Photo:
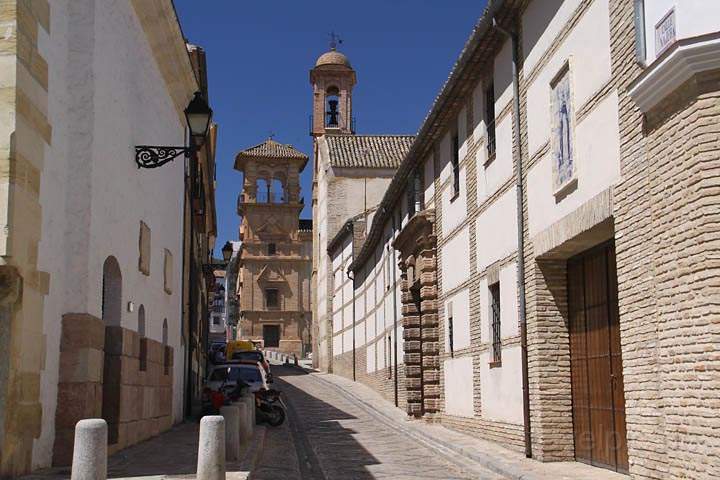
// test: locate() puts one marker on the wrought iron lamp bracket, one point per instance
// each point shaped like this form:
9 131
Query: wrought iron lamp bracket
149 156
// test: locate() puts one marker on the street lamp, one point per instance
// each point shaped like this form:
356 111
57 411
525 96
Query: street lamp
198 115
227 251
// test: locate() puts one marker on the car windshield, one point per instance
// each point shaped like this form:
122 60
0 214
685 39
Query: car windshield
246 374
252 356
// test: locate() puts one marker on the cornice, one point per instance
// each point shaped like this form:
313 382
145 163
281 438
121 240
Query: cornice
167 43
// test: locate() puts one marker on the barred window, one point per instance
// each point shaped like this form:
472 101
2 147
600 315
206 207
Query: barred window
495 324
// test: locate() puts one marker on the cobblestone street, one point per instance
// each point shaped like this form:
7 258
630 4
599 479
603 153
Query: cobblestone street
336 438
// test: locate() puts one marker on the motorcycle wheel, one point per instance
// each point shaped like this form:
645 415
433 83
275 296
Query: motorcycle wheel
276 417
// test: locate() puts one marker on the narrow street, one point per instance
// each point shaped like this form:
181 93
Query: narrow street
335 437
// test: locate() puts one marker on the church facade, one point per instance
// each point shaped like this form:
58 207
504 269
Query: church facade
540 262
274 261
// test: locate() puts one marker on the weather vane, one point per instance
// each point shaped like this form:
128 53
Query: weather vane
272 135
335 40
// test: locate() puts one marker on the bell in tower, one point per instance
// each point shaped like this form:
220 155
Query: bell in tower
332 79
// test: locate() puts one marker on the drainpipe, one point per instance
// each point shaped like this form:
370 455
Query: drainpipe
520 238
352 277
395 319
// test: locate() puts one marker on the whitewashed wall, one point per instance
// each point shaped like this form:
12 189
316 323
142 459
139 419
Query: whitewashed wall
596 135
692 18
106 95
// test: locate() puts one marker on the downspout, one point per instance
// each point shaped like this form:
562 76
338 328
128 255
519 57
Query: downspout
187 281
520 238
395 319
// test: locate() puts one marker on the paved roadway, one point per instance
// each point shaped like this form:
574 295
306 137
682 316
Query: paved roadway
330 436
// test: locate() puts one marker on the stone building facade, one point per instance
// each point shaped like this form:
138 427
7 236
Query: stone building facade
274 262
90 245
553 224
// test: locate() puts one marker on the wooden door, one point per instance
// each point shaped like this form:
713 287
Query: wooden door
271 335
595 360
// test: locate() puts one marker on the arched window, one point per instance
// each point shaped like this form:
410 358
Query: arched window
111 292
278 191
332 107
262 194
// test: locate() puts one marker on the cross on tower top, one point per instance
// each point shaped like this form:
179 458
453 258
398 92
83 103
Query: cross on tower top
334 40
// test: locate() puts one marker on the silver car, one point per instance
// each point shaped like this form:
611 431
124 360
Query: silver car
227 375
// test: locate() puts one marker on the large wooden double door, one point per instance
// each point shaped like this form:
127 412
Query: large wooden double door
598 399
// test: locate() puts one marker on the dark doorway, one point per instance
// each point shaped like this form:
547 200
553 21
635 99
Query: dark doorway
111 314
596 363
271 335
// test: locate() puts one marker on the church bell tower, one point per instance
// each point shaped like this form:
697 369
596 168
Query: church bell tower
332 80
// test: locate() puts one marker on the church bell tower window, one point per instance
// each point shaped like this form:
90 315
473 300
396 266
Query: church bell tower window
332 113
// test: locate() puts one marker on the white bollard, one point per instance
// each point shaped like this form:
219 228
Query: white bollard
211 449
231 414
90 450
245 428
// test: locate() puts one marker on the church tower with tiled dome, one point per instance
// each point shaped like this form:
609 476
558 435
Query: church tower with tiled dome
332 79
351 173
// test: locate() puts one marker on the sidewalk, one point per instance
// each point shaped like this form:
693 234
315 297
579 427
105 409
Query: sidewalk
170 455
463 449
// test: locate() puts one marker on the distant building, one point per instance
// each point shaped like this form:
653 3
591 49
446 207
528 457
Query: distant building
274 264
217 327
351 174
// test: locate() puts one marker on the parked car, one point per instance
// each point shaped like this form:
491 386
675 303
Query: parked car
253 356
228 374
216 352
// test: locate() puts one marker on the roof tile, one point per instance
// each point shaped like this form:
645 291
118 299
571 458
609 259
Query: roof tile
368 151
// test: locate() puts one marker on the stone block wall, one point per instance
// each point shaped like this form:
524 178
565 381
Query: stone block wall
100 376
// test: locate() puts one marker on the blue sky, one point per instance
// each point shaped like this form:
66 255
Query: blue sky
260 53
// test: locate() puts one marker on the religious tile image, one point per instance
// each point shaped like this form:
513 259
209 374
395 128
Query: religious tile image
562 134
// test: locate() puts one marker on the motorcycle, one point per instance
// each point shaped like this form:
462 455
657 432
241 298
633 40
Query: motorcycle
269 407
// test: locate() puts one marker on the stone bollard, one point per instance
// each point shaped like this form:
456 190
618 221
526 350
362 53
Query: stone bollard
251 405
231 414
245 430
90 450
295 360
211 449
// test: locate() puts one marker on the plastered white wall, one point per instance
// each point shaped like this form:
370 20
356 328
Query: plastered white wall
456 260
587 49
496 173
692 18
106 95
461 320
458 374
501 388
454 208
509 326
496 234
598 166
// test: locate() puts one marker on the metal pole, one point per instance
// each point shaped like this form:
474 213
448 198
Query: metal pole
520 238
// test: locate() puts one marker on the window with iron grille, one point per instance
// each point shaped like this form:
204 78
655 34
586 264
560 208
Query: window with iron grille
490 118
456 165
451 335
495 323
